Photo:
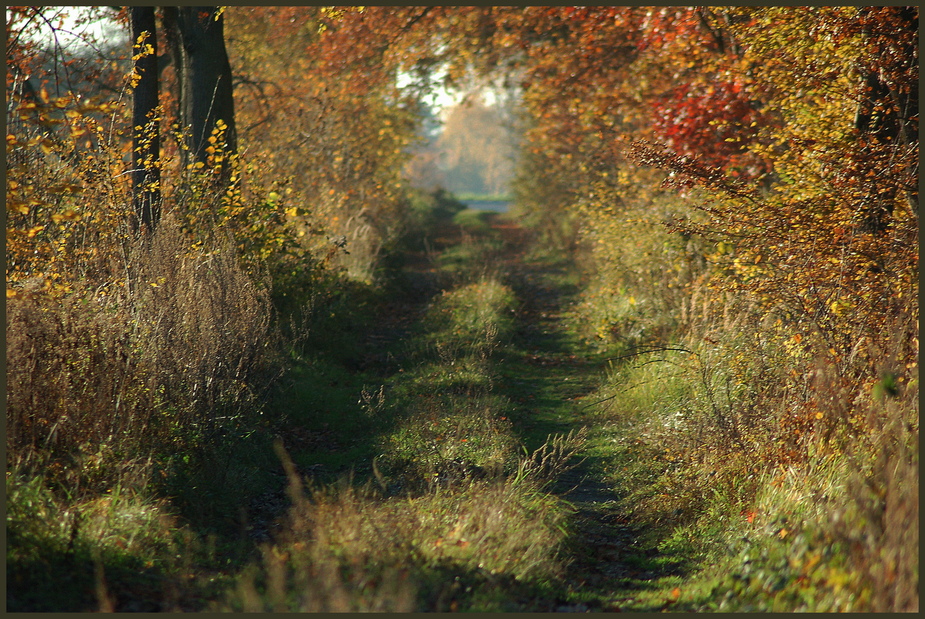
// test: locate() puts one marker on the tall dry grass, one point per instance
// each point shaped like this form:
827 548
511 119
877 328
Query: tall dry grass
353 549
103 379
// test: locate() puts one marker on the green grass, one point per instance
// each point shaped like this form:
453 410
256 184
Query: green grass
413 460
491 197
120 550
471 258
473 221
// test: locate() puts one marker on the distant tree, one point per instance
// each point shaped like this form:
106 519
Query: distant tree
477 147
423 170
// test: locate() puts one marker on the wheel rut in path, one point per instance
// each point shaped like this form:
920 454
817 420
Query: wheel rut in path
609 563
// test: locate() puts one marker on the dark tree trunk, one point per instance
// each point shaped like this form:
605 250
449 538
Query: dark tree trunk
146 173
196 37
887 115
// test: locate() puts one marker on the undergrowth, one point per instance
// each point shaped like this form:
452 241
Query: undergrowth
785 472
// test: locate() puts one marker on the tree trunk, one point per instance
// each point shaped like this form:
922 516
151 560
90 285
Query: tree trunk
887 115
196 36
146 173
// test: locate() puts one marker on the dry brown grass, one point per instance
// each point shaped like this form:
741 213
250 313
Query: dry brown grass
99 382
803 451
348 548
879 521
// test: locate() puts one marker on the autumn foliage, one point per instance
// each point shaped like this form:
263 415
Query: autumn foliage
739 184
745 185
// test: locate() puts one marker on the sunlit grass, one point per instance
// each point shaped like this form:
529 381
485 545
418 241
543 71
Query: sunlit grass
769 514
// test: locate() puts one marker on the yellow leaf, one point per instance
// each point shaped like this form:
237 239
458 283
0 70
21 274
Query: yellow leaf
19 207
68 215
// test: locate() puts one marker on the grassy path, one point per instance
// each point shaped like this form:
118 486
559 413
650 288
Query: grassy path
546 379
614 565
453 378
549 378
416 457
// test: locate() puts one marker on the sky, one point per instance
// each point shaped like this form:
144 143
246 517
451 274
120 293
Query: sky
69 32
440 99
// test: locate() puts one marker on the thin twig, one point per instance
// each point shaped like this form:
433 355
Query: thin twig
651 350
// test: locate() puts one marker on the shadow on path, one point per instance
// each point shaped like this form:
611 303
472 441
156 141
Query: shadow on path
548 372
